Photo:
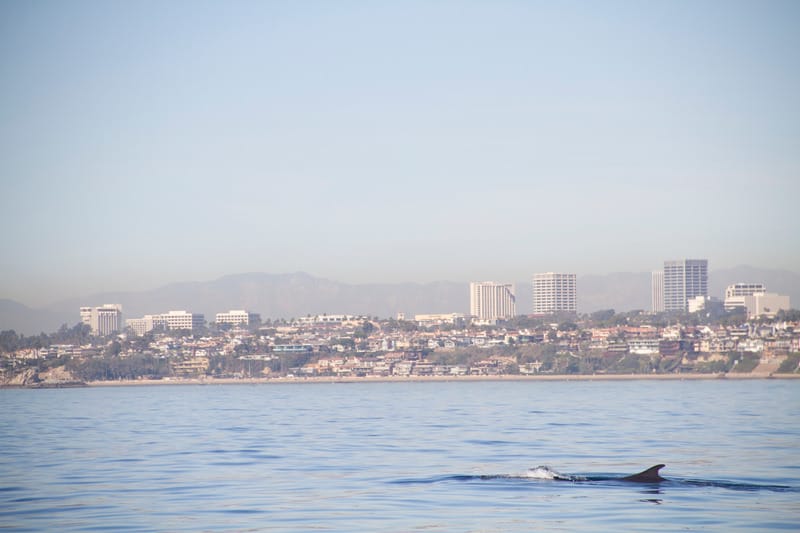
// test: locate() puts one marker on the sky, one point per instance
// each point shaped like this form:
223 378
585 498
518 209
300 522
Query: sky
148 142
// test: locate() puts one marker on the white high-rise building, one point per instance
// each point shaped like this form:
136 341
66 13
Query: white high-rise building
103 320
684 280
555 293
735 294
657 291
489 300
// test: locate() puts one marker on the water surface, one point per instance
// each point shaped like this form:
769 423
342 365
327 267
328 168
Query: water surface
401 457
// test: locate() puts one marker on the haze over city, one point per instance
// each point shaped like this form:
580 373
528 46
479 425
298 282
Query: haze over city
144 143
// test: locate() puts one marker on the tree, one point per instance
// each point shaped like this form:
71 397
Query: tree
347 342
789 315
367 328
791 364
602 316
244 348
567 326
113 349
9 341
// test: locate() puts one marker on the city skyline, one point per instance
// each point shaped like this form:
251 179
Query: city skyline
295 295
142 146
683 284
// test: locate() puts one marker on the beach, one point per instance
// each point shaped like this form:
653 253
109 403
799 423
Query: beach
409 379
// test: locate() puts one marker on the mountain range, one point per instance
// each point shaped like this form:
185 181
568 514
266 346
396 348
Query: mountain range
300 294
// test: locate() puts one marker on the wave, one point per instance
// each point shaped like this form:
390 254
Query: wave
547 473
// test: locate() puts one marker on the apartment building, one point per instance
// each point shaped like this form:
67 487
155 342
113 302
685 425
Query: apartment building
489 300
554 293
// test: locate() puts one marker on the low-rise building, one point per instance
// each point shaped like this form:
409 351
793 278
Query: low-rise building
191 367
735 294
455 319
766 304
238 317
174 320
643 346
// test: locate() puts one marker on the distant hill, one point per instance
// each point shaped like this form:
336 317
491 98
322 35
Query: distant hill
299 294
23 319
621 291
780 281
287 296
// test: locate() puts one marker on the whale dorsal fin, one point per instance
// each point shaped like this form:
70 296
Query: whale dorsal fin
646 476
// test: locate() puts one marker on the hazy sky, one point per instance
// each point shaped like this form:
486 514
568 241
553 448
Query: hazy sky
149 142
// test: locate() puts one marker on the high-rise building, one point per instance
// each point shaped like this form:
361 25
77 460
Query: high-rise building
657 291
103 320
492 301
684 280
735 294
554 293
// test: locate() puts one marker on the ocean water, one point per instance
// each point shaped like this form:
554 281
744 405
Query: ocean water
402 457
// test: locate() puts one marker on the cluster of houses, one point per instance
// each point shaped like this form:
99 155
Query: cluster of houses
345 346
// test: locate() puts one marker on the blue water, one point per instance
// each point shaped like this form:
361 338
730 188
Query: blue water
402 457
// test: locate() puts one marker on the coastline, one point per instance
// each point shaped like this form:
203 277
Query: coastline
437 379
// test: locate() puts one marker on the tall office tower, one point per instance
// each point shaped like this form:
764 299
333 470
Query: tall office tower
103 320
492 301
554 293
683 280
657 291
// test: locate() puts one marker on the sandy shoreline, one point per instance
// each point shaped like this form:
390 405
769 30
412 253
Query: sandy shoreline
424 379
